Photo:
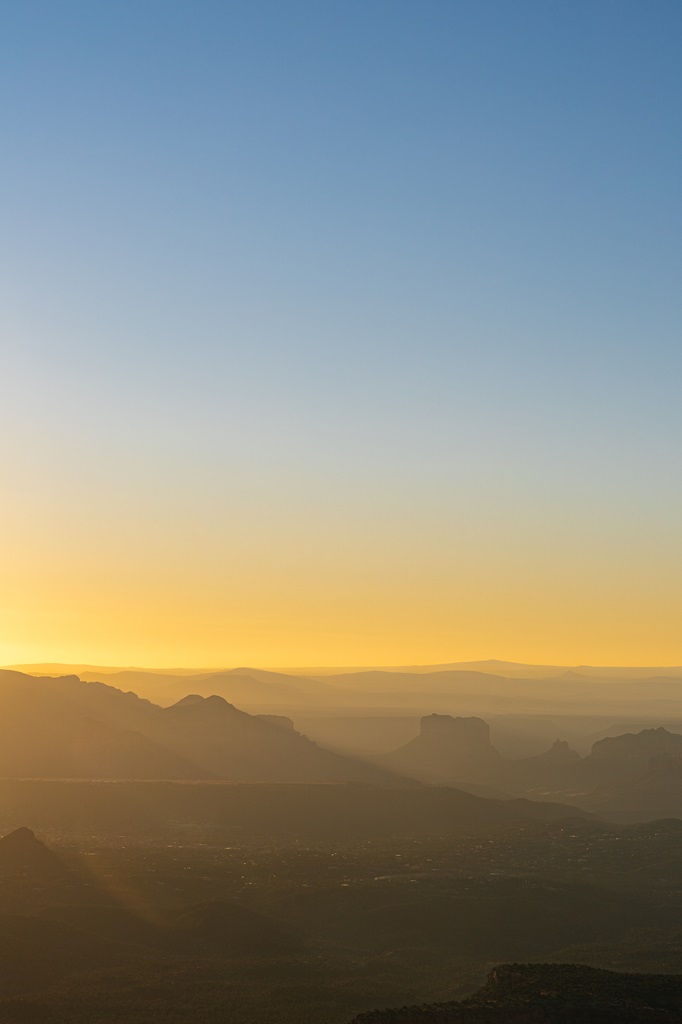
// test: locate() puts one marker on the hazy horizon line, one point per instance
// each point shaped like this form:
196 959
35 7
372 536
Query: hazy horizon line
89 666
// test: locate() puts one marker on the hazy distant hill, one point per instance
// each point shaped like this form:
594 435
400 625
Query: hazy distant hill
634 777
467 688
490 666
249 688
628 755
470 691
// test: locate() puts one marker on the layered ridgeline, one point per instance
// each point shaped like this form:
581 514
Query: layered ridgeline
489 687
552 994
634 776
56 731
66 728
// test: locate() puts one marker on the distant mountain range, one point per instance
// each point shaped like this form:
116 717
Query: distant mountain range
486 687
490 666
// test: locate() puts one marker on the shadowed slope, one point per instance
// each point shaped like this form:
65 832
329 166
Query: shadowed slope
230 744
552 994
65 728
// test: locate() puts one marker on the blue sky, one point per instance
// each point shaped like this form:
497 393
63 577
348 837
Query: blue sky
367 266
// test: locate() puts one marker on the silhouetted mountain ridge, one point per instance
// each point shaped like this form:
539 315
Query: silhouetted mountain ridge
66 728
552 994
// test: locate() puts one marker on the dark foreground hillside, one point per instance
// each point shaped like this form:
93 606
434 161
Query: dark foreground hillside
552 994
219 924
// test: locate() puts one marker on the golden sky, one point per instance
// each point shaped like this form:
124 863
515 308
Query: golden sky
360 346
327 586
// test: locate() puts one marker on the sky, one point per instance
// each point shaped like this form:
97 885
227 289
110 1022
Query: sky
340 332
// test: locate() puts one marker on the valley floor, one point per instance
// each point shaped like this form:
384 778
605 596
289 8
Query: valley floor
215 924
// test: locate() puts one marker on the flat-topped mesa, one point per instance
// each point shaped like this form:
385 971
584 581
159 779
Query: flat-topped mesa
447 751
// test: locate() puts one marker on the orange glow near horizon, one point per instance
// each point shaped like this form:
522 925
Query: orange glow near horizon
158 579
339 608
358 346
